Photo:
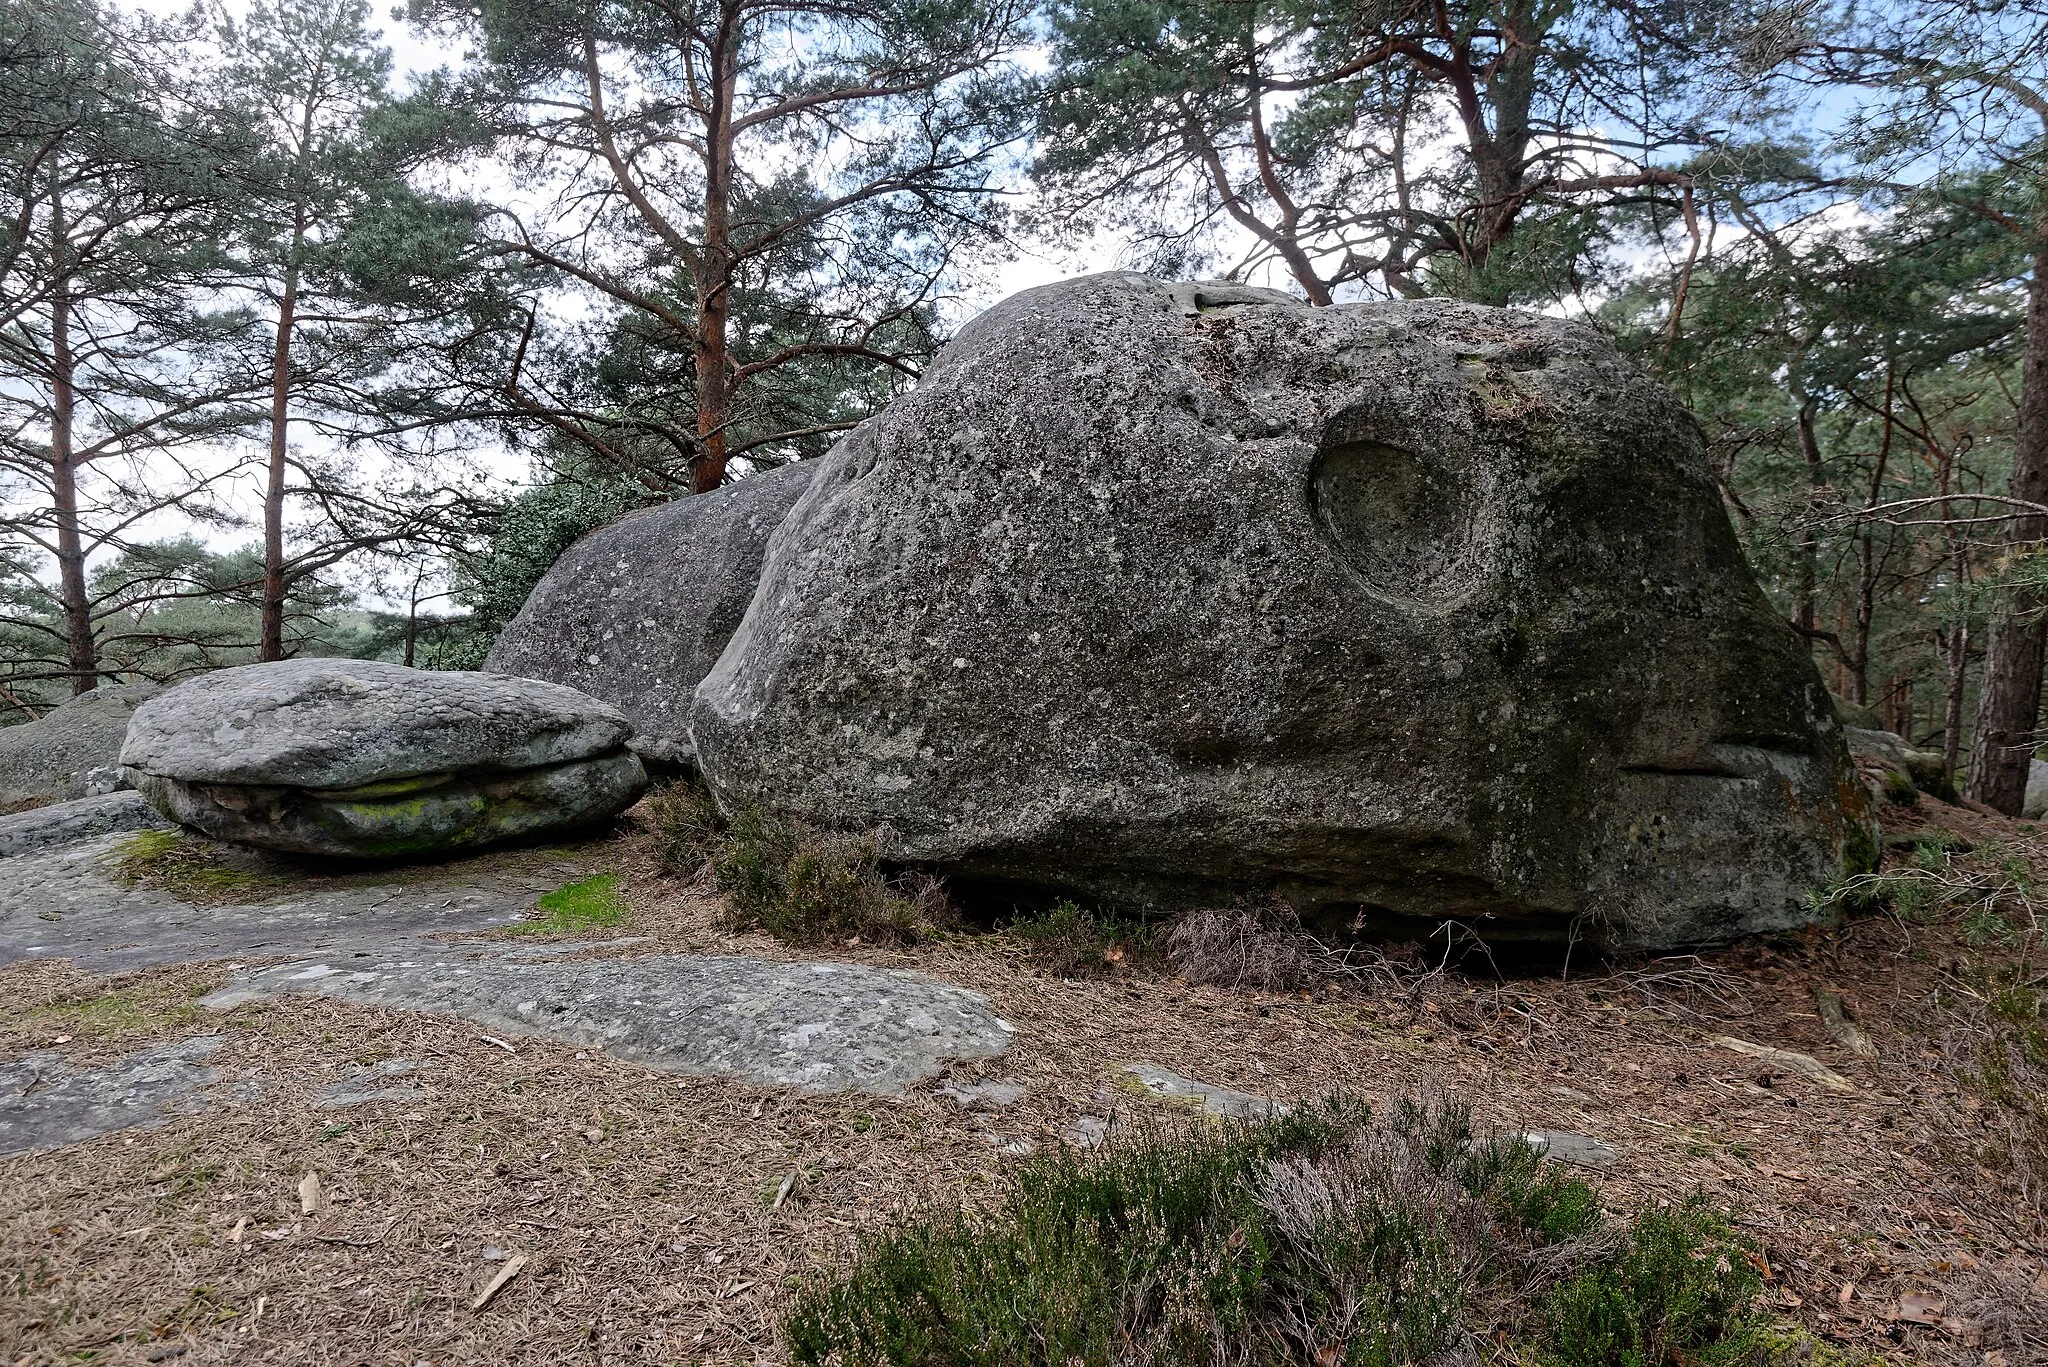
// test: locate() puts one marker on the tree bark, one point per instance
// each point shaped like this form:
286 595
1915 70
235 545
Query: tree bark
1958 653
81 651
1804 606
713 274
271 646
2009 697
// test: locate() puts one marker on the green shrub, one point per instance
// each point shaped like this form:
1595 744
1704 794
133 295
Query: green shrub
1677 1291
796 883
1329 1236
1072 941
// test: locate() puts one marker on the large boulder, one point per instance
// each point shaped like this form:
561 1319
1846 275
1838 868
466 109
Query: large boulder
2035 804
71 751
637 612
1411 611
366 759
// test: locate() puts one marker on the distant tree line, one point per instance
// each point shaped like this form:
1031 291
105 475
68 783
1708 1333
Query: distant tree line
648 246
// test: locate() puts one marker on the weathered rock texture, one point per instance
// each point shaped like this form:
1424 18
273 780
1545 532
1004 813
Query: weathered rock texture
637 612
69 752
826 1027
82 818
366 759
46 1104
1892 768
1160 593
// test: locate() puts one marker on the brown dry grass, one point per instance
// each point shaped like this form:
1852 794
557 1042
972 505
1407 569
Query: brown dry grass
643 1202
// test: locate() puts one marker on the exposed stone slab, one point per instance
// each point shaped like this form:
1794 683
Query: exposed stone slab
825 1027
45 1104
83 818
67 902
1566 1147
1167 1085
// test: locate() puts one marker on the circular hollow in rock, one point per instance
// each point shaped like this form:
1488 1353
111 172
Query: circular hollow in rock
1409 524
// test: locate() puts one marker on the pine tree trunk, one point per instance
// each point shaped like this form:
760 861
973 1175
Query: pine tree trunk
81 651
271 646
2009 698
1952 712
713 274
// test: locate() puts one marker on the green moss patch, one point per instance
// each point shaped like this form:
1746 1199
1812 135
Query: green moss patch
590 904
189 867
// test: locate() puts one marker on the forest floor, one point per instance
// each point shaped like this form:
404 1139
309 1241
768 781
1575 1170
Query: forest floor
646 1217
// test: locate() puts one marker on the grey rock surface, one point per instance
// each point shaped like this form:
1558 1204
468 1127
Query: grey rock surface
1168 1085
1157 596
69 752
344 724
451 814
1567 1147
69 902
2035 804
45 1104
367 759
1879 753
822 1026
62 823
637 612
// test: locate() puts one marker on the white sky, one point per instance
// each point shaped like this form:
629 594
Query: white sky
416 53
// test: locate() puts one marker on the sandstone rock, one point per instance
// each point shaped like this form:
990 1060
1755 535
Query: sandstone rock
367 759
1892 768
71 751
821 1026
82 818
1162 594
45 1103
637 612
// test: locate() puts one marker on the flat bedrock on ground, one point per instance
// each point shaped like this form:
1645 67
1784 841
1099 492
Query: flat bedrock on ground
44 1103
827 1027
70 902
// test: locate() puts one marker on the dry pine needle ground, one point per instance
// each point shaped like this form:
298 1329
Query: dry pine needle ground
644 1206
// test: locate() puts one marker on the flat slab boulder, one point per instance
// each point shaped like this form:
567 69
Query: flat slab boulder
360 758
1410 612
638 611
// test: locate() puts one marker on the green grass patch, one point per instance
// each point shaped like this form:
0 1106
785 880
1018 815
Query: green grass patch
797 883
1331 1236
189 867
590 904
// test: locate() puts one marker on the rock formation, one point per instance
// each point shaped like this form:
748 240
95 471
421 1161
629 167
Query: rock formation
1420 611
69 752
636 612
1892 768
361 758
